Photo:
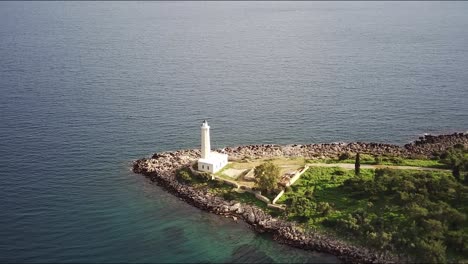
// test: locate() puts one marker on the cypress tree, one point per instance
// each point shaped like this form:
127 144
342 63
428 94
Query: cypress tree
456 172
357 164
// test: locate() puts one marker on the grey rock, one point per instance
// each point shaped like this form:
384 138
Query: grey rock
251 218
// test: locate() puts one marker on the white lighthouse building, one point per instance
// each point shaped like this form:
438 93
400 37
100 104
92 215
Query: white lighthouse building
210 161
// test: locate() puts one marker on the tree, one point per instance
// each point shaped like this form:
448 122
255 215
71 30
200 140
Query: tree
357 164
457 159
267 176
465 168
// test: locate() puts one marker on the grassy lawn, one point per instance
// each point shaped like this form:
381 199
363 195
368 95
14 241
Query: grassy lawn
285 164
383 160
323 185
420 213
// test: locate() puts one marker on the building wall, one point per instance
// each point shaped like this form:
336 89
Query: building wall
205 166
212 166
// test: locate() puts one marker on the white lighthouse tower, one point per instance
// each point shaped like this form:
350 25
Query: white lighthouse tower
210 161
205 140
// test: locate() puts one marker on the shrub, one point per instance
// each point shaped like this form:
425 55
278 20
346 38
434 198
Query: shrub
432 251
229 196
330 222
378 160
204 176
396 160
339 172
348 223
323 208
366 158
183 175
456 158
459 146
216 184
457 241
302 208
288 201
345 156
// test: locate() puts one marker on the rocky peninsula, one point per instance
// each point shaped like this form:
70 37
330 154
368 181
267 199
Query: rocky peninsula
161 168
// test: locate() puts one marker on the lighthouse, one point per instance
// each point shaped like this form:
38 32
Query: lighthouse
205 140
210 161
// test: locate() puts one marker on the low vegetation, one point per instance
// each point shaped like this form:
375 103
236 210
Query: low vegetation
184 175
456 158
420 213
385 160
217 187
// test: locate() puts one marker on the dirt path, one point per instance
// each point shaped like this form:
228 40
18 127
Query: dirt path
350 166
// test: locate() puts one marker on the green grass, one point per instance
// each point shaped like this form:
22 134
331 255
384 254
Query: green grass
248 198
395 161
218 188
334 200
423 163
285 164
325 185
228 192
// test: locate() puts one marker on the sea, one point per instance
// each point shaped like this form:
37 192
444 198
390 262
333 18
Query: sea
88 87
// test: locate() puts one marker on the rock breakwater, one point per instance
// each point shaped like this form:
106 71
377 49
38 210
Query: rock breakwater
161 168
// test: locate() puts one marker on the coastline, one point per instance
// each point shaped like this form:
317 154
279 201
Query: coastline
161 168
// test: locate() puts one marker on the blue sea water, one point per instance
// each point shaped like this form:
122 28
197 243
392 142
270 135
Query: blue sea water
87 87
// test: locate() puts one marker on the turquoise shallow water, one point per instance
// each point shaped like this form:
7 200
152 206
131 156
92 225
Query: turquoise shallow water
87 87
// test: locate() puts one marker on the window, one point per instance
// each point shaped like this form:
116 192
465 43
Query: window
202 166
208 167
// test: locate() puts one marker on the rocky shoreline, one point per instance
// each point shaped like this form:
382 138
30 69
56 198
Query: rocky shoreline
161 168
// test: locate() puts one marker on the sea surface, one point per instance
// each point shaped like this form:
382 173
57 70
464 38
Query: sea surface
88 87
